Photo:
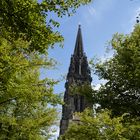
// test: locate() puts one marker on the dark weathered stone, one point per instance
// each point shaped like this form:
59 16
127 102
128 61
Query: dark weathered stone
79 73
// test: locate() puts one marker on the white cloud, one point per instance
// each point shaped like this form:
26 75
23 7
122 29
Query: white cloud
89 14
129 27
97 86
135 14
54 132
91 10
138 11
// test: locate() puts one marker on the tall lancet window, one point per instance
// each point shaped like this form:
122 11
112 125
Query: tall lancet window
81 103
80 63
76 103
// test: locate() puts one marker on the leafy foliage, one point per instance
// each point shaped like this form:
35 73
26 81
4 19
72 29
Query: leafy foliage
27 103
23 97
121 93
101 127
30 20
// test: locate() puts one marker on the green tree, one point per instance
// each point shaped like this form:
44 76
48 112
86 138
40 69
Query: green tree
121 93
24 98
101 126
26 102
30 20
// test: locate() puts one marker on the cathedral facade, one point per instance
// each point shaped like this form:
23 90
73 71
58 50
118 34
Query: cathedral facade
78 74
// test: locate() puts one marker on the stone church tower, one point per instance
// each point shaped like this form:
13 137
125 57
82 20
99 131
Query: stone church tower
78 74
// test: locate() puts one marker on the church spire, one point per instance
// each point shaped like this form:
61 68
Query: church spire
78 75
78 51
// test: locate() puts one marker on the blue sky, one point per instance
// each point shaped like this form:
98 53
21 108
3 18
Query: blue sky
99 21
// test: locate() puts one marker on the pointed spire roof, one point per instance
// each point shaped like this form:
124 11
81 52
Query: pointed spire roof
79 51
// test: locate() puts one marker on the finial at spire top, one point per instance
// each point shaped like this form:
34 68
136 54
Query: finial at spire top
79 24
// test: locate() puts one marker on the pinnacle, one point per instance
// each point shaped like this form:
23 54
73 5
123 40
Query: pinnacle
78 51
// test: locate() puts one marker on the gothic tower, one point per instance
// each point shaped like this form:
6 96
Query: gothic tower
78 74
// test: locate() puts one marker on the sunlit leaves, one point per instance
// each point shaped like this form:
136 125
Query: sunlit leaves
24 99
31 20
121 93
101 126
26 33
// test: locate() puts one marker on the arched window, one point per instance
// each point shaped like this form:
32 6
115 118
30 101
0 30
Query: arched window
81 103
